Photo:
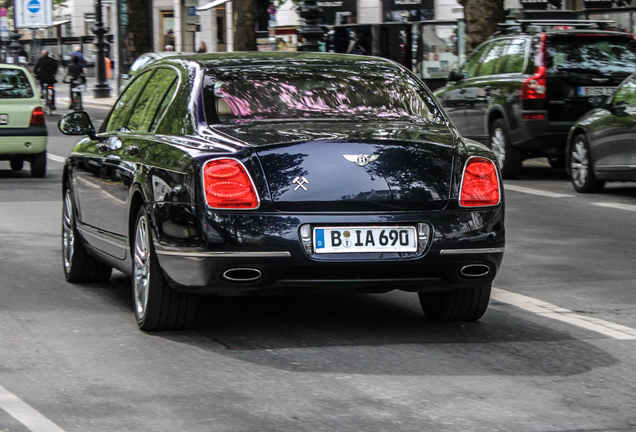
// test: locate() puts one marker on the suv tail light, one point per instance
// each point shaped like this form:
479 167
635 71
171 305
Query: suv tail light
227 185
535 86
37 117
480 185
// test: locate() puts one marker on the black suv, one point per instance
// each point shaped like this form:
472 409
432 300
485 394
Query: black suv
521 90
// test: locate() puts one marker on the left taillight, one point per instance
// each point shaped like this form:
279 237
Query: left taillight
37 117
228 185
480 185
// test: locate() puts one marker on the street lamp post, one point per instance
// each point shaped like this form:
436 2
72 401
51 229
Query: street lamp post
310 31
101 88
14 46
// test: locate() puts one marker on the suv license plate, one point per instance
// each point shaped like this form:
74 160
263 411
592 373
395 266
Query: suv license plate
365 239
596 91
4 119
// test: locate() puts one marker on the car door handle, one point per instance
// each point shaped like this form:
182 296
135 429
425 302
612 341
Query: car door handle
101 147
131 150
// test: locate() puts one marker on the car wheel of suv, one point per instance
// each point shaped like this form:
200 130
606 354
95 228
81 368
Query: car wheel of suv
468 304
509 158
582 168
38 165
16 163
157 306
79 266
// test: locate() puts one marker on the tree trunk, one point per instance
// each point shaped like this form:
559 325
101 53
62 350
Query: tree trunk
244 17
481 17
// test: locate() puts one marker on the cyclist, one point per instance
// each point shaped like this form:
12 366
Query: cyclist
76 78
45 71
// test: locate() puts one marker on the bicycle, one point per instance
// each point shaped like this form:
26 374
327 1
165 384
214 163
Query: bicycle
77 87
48 98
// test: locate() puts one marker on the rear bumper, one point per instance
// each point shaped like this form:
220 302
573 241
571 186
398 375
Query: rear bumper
542 136
27 144
270 247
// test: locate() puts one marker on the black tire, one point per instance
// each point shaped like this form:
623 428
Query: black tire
582 167
557 162
16 163
468 304
508 157
79 266
38 165
156 305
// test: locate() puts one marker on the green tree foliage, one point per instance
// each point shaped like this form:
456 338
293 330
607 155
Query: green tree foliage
481 18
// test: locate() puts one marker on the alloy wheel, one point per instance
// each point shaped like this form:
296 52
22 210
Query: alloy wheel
68 232
141 262
498 146
580 163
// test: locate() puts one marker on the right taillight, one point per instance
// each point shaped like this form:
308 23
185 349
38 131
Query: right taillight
480 185
37 117
228 185
535 86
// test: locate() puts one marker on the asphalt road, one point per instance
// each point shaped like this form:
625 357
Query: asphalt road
556 350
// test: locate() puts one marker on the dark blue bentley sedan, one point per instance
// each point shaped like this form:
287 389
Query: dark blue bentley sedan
259 173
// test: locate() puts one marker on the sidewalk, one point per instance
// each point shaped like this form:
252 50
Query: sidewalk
62 96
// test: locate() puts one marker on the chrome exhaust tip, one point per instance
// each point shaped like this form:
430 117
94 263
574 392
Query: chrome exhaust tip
474 270
242 275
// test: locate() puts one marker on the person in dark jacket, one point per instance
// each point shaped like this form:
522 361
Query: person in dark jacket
75 76
45 71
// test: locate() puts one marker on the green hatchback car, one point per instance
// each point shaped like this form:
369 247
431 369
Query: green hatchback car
23 133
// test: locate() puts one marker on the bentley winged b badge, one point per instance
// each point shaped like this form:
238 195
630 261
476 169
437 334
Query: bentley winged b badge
361 160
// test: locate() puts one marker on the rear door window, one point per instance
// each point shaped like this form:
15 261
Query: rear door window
490 64
14 84
122 109
515 57
599 55
148 103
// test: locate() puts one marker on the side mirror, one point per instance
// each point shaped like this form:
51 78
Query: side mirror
77 123
455 76
618 110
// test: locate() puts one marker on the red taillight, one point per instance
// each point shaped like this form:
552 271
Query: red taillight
480 186
38 118
228 185
535 86
534 116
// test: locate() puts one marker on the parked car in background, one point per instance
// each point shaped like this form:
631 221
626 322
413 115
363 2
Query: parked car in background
263 173
144 60
521 91
602 144
23 133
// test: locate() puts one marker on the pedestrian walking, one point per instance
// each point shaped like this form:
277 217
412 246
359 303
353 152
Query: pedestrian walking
202 47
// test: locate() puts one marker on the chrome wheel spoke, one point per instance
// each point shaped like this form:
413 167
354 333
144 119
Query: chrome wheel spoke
68 234
579 164
498 146
141 263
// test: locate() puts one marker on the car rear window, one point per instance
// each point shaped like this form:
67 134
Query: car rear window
596 54
14 84
292 92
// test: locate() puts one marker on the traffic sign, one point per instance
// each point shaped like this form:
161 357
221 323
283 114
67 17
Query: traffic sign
3 12
192 11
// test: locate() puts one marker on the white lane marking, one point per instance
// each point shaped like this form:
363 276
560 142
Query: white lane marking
536 191
55 158
617 206
549 310
25 414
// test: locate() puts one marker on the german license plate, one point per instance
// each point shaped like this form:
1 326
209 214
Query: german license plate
4 119
365 239
596 91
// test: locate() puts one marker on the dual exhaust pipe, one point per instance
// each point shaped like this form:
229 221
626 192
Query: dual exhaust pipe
474 270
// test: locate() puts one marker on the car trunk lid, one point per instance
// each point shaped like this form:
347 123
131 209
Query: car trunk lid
355 167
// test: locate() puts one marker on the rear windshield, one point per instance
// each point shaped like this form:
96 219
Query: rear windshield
14 84
599 55
316 93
